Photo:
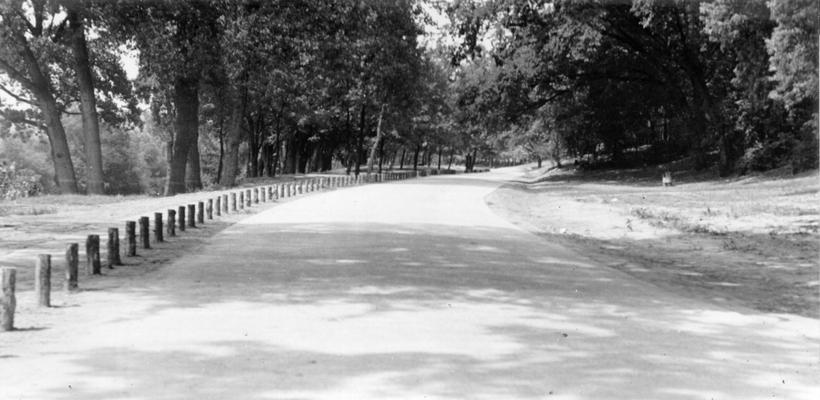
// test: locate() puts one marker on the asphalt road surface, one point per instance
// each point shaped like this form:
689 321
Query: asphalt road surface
408 290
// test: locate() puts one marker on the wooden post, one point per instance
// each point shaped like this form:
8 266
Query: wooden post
191 215
113 248
218 206
72 264
172 222
256 195
158 227
92 254
209 209
181 214
8 302
233 201
225 203
667 179
145 237
42 280
300 188
241 199
131 238
248 198
281 191
263 194
200 212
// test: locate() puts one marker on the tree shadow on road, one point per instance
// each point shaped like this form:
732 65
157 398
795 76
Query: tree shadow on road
425 310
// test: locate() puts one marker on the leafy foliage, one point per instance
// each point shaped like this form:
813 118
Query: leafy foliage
737 79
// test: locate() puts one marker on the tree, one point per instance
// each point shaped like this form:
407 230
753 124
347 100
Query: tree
88 103
175 40
26 48
653 78
793 48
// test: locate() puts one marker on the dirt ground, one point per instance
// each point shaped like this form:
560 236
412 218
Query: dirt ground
748 242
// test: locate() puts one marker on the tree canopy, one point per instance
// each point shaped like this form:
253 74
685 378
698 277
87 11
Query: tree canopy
231 89
731 83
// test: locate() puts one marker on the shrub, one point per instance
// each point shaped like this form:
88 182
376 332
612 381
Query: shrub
16 183
29 156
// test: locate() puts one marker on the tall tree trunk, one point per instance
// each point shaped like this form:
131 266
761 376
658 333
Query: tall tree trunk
193 172
372 157
221 164
186 102
475 155
360 140
403 153
416 157
268 165
88 105
60 156
381 154
232 139
253 153
40 86
278 151
439 158
450 161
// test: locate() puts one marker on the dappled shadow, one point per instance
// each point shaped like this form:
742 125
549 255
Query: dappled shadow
405 311
643 177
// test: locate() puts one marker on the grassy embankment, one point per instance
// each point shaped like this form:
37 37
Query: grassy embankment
748 242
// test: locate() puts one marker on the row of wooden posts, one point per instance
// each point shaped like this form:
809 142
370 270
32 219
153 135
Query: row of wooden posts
176 220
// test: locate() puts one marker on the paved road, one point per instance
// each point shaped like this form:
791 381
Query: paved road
411 290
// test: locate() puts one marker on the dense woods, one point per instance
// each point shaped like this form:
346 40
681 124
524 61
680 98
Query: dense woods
229 90
724 83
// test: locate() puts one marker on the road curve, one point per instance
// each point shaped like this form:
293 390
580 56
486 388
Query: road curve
408 290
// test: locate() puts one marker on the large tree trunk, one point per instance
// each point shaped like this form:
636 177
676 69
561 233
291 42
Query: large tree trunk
416 157
376 143
41 87
232 139
60 156
403 153
253 154
186 102
88 105
193 173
